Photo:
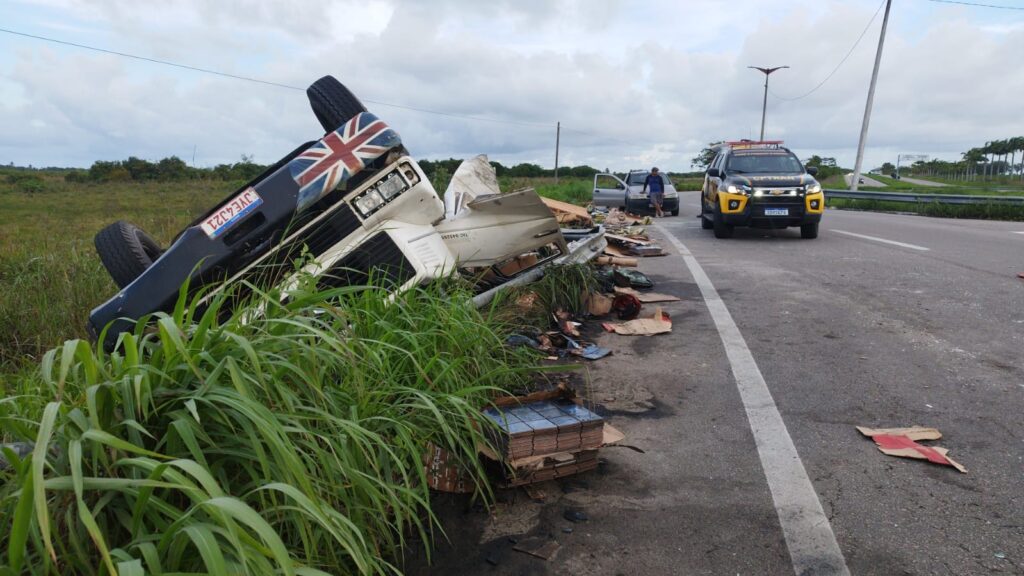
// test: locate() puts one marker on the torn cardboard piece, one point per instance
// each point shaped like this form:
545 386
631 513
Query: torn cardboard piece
646 297
567 213
659 323
900 442
598 304
914 432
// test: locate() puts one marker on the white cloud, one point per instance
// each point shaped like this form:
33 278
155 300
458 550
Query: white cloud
648 83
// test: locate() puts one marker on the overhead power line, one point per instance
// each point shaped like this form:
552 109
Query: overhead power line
270 83
841 62
976 5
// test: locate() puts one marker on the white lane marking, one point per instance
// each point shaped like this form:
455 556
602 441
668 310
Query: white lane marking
1021 232
883 240
812 545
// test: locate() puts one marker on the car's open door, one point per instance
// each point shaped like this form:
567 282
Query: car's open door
609 190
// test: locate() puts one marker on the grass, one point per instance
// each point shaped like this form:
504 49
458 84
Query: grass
976 211
50 275
288 443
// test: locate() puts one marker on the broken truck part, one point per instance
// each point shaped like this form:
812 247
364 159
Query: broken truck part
351 205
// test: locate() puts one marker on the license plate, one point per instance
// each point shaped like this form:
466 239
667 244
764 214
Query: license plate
231 213
776 211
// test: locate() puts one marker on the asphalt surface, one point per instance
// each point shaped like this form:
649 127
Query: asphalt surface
883 321
868 181
922 182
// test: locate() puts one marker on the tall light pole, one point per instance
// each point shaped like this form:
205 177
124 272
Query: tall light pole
764 105
871 99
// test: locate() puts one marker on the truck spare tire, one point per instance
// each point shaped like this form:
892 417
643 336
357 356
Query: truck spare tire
332 103
126 251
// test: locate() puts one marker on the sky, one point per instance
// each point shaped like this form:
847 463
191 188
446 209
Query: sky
634 84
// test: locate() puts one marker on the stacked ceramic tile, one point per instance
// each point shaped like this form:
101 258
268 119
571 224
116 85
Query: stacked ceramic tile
549 427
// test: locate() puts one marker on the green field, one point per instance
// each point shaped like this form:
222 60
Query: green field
50 275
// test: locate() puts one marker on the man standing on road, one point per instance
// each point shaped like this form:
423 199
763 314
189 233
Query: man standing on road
657 186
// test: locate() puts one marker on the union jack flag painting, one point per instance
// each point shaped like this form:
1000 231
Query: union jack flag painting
340 155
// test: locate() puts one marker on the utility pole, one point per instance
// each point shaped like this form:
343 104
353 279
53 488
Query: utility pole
764 104
558 137
871 99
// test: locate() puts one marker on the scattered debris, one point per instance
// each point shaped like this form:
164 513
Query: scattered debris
444 475
592 352
575 516
646 297
658 323
535 493
539 547
1000 555
598 304
547 436
625 241
901 442
1020 275
647 251
567 530
616 261
569 214
626 306
632 279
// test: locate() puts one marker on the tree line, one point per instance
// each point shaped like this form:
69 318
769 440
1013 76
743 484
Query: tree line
174 169
994 159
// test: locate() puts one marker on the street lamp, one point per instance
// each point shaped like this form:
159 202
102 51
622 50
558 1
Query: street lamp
764 105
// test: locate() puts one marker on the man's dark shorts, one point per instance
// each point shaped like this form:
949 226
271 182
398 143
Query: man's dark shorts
657 198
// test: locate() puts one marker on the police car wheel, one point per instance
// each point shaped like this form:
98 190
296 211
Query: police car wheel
809 231
722 230
705 222
333 103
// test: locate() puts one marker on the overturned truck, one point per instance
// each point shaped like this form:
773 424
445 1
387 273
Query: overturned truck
348 206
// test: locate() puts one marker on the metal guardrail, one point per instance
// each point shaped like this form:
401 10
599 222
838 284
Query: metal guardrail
913 198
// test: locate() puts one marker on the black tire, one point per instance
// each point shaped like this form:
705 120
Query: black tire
333 104
722 230
675 212
809 231
126 251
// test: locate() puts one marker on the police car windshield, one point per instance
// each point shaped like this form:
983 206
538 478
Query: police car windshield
764 163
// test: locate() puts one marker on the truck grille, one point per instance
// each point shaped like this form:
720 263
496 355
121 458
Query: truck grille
378 258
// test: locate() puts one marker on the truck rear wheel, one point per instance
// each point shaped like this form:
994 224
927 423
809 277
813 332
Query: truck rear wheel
126 251
333 103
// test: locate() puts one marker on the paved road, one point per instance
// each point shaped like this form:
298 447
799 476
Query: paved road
920 182
868 181
885 320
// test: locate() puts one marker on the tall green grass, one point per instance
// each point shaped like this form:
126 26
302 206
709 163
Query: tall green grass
285 442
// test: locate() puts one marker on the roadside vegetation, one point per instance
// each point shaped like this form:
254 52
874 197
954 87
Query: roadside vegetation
977 211
285 442
290 442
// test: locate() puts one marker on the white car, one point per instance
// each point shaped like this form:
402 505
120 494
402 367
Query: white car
613 192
